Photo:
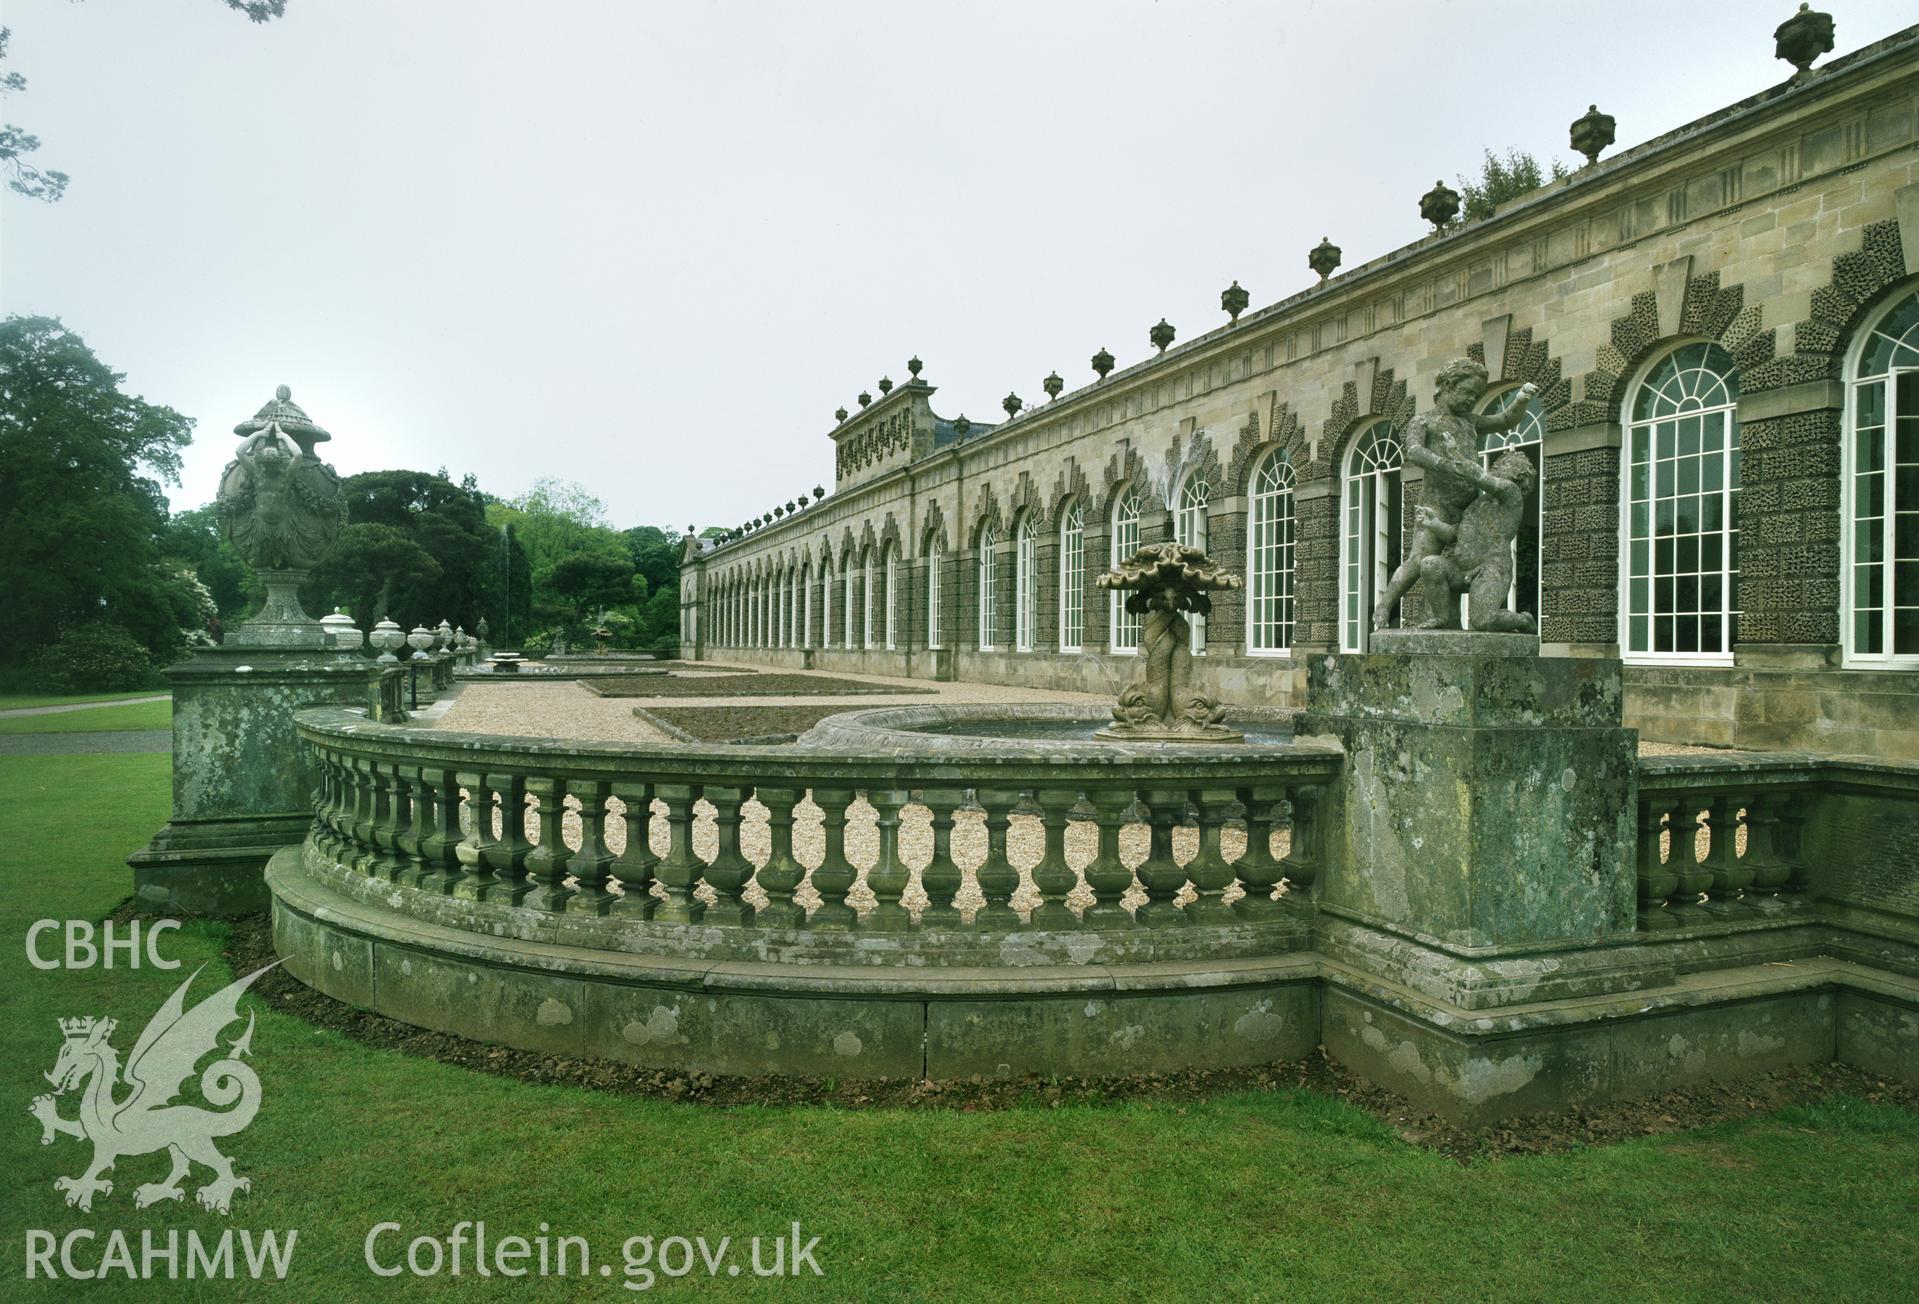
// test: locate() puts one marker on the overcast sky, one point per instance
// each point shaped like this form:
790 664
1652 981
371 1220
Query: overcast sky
652 246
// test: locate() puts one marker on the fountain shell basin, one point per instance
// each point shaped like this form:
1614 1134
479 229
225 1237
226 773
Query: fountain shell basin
1036 730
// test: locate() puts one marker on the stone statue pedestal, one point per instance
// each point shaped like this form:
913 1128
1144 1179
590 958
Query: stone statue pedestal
1488 795
242 783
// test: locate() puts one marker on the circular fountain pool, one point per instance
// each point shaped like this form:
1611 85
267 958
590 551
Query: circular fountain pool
1037 727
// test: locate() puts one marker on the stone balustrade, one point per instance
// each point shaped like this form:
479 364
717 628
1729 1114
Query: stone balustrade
1745 837
650 848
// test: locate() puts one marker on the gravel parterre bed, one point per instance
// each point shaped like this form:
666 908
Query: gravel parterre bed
716 724
775 685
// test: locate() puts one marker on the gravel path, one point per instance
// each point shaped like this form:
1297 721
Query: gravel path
99 741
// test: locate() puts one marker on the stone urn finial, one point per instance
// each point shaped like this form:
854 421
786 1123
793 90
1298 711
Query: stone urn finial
1324 258
1012 403
1234 300
1052 385
913 365
961 426
1440 205
886 384
1102 364
1802 38
1161 335
280 507
819 493
1592 134
839 415
866 399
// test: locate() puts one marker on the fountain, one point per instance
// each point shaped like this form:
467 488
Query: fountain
1162 582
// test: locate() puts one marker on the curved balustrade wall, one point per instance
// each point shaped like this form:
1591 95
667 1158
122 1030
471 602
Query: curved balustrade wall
1115 908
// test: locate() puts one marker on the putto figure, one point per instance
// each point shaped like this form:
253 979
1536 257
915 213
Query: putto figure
1162 582
1445 444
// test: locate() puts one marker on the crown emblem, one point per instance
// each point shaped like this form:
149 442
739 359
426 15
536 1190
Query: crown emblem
85 1026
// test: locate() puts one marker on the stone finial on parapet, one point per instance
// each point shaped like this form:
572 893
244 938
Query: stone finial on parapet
280 507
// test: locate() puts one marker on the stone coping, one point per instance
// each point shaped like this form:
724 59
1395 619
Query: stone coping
853 762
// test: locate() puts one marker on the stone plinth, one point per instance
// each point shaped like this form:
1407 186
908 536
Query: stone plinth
1488 793
242 783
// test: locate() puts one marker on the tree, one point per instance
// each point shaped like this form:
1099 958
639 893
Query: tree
1501 179
590 580
81 508
194 539
656 555
374 571
441 521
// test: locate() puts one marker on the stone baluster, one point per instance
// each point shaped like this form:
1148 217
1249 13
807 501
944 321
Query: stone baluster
546 863
389 862
634 868
1209 870
1052 875
1160 873
1655 881
835 875
730 869
1770 872
782 871
1107 874
506 856
1794 809
440 867
679 870
592 865
369 794
1306 850
418 827
325 802
1731 876
889 876
942 878
471 853
1258 870
997 878
1682 860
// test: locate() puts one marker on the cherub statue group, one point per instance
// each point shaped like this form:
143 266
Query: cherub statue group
1468 514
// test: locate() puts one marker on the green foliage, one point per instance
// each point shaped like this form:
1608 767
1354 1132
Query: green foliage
81 509
92 659
590 580
417 547
1502 178
194 539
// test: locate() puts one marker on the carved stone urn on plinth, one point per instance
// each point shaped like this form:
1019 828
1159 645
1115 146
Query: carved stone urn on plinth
1163 582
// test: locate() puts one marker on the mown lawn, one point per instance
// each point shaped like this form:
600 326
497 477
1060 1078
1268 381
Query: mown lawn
1281 1196
144 715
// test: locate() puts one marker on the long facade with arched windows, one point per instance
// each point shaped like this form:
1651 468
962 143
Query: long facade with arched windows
1722 326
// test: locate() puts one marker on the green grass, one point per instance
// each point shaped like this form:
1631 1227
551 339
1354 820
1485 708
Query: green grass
13 701
146 715
1283 1195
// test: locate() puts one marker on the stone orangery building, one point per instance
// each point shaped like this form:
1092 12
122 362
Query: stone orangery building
1723 326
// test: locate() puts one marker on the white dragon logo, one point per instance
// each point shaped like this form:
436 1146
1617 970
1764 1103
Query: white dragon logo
174 1040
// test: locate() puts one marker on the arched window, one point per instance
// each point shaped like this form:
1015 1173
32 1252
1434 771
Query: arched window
988 565
846 592
1269 549
806 604
1072 576
826 600
1124 624
1681 505
1881 621
1528 437
1370 543
1026 583
1189 529
892 593
866 597
935 560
